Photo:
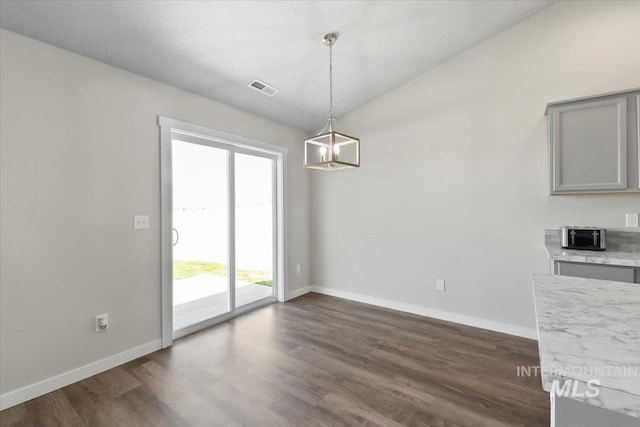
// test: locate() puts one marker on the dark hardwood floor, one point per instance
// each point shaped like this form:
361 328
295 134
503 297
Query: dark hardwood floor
314 361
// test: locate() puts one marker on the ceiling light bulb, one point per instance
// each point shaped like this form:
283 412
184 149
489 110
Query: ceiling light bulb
323 154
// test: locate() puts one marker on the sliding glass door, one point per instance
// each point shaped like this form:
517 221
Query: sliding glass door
254 225
201 233
224 223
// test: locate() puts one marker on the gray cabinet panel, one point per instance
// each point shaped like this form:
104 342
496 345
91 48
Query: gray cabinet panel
589 144
635 145
571 413
594 144
596 271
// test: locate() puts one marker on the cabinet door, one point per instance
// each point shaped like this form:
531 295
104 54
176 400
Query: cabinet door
568 412
596 271
636 142
589 146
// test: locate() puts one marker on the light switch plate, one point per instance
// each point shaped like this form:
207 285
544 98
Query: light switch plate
140 222
632 220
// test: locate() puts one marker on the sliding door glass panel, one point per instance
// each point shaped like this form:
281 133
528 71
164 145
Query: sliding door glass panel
254 228
200 233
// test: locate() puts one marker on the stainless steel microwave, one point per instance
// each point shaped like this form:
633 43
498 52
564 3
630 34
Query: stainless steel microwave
586 238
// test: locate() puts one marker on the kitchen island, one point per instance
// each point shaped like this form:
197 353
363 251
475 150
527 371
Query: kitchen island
589 344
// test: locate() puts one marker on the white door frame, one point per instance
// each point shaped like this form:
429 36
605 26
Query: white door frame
234 144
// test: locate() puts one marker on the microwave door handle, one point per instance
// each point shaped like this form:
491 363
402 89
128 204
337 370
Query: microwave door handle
595 238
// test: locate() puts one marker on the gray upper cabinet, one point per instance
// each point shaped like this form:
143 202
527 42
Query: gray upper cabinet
594 144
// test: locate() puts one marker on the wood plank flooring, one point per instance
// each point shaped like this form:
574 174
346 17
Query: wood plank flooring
314 361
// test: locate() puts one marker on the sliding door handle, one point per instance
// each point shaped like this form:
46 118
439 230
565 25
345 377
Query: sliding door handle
177 237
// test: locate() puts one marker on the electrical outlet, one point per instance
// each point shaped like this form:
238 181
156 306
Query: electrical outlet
440 285
102 322
298 268
632 220
140 222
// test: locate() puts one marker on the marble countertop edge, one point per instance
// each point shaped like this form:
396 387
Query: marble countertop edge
584 325
622 259
583 391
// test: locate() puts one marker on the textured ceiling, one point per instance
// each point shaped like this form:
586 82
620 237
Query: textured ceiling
215 48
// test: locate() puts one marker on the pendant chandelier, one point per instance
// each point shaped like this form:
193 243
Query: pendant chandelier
331 150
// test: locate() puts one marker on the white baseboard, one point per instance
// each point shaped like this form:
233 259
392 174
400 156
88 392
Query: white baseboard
297 292
29 392
477 322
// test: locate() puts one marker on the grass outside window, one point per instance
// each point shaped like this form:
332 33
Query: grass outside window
183 269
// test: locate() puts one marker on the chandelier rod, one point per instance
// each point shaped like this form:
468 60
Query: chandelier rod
331 82
329 40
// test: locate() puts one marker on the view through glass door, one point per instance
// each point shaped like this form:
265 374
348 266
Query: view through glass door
254 228
223 231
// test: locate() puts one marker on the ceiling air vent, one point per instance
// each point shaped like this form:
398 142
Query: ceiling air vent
263 87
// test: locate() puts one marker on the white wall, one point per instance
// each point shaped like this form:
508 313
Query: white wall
453 182
79 158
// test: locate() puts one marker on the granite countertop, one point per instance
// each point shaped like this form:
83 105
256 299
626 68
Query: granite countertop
627 255
590 330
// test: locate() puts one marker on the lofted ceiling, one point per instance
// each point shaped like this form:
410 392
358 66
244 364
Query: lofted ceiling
215 48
